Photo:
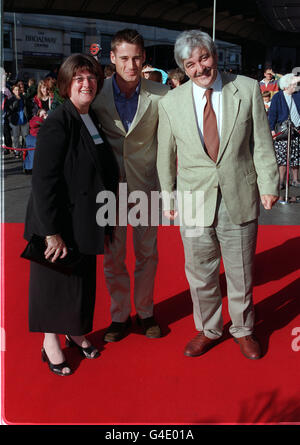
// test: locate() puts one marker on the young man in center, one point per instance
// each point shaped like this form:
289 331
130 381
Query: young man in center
127 108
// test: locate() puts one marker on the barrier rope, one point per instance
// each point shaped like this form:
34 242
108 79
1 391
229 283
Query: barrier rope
17 149
277 134
24 150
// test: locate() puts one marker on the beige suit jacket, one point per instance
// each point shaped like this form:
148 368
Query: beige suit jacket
136 150
246 164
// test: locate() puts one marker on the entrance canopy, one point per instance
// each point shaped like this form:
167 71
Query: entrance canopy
269 22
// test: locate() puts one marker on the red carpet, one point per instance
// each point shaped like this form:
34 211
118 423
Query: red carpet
142 381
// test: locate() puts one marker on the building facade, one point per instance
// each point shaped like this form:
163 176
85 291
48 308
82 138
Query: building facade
36 44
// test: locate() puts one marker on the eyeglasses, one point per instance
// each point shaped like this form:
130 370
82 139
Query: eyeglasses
81 79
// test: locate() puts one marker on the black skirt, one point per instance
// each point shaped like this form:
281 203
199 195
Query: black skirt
62 304
281 152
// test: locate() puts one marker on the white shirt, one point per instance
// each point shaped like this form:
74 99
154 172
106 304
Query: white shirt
295 118
91 128
216 100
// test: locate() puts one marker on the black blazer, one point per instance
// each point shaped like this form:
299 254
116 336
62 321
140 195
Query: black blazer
69 171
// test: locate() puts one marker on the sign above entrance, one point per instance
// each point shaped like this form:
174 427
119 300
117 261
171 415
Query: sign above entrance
37 41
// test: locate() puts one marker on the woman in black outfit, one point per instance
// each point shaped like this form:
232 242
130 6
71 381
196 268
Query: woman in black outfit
72 164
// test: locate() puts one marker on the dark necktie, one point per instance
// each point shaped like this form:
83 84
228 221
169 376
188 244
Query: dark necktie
210 129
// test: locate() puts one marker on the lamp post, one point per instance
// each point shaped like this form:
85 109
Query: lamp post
214 19
15 45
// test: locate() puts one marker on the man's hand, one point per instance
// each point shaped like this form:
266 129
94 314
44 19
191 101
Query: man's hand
268 201
170 214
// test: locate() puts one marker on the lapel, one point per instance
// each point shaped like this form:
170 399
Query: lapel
189 121
107 98
189 117
230 109
143 104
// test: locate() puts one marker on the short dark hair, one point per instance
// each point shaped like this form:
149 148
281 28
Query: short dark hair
156 76
129 36
74 63
266 94
109 70
177 74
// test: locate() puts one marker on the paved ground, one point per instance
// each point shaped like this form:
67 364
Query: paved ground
17 186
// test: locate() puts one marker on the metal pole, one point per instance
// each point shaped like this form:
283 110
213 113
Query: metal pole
288 150
2 345
2 85
15 45
214 19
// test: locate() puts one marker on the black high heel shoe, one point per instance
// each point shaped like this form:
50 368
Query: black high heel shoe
56 369
86 352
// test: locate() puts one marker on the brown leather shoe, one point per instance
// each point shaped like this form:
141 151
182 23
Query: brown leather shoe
199 345
150 326
116 331
250 347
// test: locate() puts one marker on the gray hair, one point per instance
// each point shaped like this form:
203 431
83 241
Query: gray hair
187 41
286 80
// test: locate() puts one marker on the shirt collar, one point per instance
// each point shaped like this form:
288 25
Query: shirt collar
216 86
117 90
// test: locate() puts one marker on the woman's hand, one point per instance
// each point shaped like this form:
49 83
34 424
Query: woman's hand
56 248
171 214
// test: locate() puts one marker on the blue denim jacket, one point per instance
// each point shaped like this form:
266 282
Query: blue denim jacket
279 111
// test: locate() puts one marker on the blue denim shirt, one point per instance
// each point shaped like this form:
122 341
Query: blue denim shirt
22 118
126 106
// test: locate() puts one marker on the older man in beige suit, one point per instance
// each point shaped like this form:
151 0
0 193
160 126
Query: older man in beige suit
215 127
127 109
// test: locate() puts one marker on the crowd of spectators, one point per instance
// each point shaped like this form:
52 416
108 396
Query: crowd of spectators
22 104
24 108
282 103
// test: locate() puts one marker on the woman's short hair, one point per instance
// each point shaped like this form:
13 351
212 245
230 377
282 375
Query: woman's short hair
50 83
187 41
109 70
177 74
70 67
128 36
286 80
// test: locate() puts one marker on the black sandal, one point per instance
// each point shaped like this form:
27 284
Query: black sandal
56 369
86 352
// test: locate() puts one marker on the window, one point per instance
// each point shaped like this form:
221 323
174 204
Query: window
76 45
220 56
234 58
7 38
76 42
105 45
